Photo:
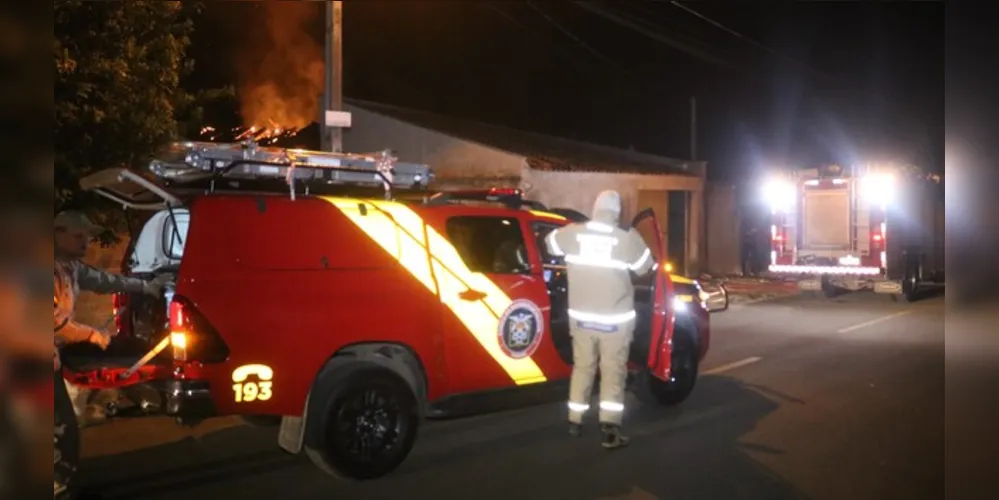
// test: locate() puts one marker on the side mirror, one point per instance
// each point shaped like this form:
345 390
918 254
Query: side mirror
717 298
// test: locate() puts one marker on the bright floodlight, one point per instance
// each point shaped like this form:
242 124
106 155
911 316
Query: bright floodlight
779 194
878 188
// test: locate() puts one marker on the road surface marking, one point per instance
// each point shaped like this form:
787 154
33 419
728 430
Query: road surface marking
872 322
732 366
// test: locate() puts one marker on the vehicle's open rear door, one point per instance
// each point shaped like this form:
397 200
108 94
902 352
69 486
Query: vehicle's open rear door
127 359
652 300
130 189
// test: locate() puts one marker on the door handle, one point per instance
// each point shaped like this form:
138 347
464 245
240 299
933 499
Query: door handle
471 295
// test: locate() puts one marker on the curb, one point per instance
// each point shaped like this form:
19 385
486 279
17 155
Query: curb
764 299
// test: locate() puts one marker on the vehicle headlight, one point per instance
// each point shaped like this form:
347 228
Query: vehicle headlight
779 194
680 305
878 188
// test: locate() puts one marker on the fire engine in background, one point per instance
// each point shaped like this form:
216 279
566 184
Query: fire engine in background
877 228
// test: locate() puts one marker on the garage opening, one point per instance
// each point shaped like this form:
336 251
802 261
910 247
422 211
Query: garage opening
677 208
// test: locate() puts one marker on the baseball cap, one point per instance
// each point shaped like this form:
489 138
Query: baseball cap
71 219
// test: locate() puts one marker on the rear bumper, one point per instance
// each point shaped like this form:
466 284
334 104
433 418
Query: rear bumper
153 384
188 399
876 284
788 270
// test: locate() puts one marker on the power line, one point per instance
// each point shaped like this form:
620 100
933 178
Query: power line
506 16
576 39
574 59
745 38
823 101
689 50
579 41
902 114
829 78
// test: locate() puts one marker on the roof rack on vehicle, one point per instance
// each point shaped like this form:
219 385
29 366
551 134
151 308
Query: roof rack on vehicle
189 162
508 197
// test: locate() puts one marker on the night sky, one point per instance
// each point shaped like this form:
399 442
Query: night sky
796 85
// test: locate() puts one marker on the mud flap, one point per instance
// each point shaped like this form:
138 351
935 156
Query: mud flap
291 434
810 285
78 396
889 286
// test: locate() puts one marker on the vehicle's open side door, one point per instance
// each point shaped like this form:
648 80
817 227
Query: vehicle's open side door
652 300
129 189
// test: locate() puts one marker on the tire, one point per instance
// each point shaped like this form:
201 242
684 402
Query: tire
361 404
829 290
683 373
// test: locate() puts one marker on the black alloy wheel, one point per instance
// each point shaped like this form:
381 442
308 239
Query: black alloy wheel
371 426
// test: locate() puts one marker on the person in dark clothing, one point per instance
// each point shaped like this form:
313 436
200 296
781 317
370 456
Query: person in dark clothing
749 253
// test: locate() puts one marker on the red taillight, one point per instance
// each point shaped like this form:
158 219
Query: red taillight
178 317
179 330
191 336
118 303
504 192
877 237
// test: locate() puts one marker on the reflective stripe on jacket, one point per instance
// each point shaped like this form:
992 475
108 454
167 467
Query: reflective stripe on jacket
600 258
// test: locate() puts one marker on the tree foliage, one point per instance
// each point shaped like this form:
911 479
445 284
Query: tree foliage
119 68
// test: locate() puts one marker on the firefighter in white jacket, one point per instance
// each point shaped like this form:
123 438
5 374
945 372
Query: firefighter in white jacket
601 258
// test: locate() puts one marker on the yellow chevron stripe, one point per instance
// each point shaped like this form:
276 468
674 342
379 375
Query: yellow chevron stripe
404 235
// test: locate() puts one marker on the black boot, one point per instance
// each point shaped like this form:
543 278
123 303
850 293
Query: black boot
575 430
612 437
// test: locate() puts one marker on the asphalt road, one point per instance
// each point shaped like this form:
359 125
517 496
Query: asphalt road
798 398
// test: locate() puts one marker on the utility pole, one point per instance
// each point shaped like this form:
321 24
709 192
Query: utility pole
333 135
693 128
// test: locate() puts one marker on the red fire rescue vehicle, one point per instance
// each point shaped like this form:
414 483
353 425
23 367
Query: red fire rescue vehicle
351 317
874 228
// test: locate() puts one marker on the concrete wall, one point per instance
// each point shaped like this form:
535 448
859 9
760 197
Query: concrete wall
722 238
456 163
578 190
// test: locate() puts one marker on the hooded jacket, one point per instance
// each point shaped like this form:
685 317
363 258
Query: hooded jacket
600 258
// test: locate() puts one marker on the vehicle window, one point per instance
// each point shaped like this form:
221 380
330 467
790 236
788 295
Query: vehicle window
541 231
174 235
490 244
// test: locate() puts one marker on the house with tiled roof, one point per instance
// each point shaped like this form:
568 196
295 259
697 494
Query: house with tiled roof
560 173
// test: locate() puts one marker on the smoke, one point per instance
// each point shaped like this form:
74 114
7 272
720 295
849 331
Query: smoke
281 74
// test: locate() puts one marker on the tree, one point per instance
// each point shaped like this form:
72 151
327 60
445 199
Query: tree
118 88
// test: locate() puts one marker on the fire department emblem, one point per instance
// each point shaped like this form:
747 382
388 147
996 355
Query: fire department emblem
520 329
